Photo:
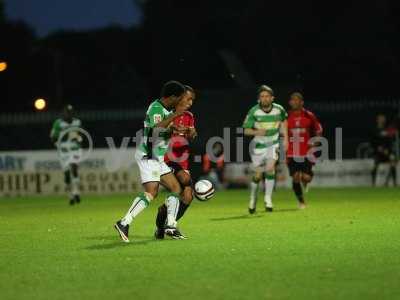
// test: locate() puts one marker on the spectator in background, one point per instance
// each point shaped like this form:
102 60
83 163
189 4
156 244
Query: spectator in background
213 169
382 142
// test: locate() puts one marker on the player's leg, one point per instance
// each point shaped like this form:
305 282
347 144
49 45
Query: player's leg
295 173
75 182
306 174
64 159
392 170
67 181
185 181
184 178
141 201
257 164
254 184
269 183
172 203
150 176
306 179
374 172
297 188
271 158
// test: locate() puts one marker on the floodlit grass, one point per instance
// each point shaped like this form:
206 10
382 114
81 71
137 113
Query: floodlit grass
345 245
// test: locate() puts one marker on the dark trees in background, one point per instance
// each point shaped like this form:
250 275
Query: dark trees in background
329 50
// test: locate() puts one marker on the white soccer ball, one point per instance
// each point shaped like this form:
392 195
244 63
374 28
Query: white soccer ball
204 190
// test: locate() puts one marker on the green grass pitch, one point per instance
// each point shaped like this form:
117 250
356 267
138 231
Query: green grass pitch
345 245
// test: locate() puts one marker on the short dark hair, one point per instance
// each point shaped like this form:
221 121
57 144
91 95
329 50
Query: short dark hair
265 88
172 88
189 88
297 95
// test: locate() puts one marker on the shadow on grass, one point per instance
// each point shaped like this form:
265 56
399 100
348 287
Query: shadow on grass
119 244
237 217
259 215
111 237
285 210
104 245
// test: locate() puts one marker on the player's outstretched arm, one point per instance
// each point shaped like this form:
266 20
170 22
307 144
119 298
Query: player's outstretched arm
167 121
284 133
254 132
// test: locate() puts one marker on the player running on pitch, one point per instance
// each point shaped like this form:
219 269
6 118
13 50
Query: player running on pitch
302 126
178 160
150 159
265 121
66 137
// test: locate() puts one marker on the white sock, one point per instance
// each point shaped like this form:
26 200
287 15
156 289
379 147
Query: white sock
269 188
253 194
138 205
75 186
172 203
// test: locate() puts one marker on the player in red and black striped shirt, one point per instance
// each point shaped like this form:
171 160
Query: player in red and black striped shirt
177 158
302 126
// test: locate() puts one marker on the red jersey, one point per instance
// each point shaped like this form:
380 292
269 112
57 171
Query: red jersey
179 143
302 126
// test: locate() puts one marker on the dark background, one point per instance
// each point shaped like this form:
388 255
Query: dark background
335 53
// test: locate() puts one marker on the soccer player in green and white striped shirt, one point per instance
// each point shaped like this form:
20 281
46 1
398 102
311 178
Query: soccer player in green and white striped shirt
150 159
266 122
66 137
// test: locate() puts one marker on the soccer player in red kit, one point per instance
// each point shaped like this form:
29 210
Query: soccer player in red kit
177 158
302 126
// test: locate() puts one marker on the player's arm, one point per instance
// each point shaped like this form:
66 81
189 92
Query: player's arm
283 130
254 132
55 132
317 129
157 120
166 123
248 126
192 132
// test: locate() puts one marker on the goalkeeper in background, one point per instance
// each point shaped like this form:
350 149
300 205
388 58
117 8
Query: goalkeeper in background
67 139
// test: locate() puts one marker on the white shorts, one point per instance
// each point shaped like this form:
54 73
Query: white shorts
152 169
70 157
260 156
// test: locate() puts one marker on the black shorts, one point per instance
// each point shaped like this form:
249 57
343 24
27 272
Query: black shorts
304 166
174 166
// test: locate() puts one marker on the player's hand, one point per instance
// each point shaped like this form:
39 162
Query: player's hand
261 132
181 130
316 144
285 145
192 133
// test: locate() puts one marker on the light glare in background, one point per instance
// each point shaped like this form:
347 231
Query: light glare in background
40 104
3 66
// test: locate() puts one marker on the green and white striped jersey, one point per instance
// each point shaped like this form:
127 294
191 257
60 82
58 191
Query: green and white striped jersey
155 140
258 119
67 134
